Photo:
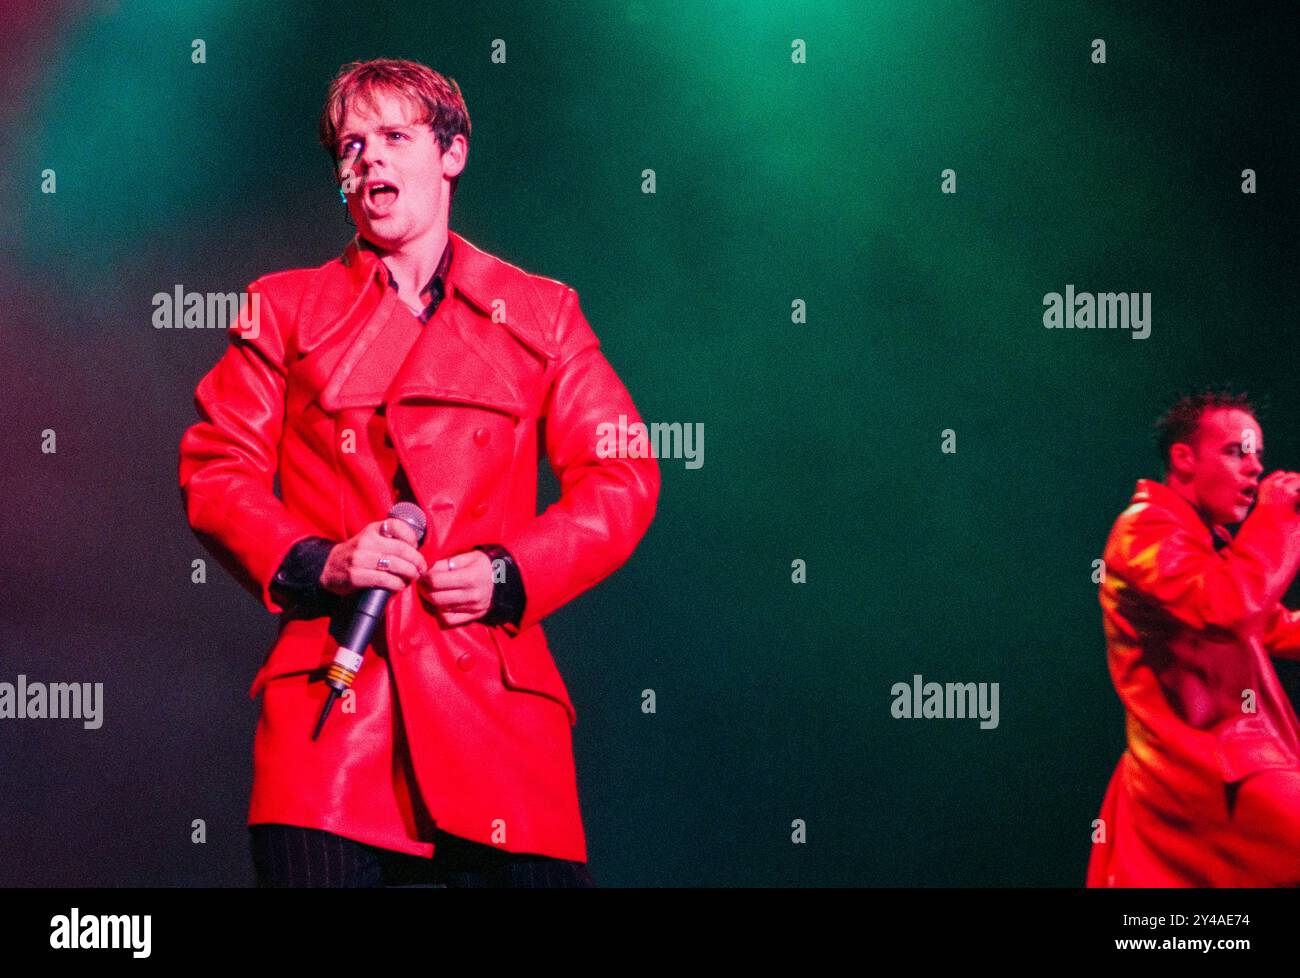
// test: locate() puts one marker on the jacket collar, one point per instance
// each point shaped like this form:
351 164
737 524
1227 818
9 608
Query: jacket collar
481 278
1157 493
383 361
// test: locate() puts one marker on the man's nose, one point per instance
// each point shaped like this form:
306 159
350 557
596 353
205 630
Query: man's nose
1252 464
371 153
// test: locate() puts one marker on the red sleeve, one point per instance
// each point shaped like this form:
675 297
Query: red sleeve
1165 559
606 504
229 458
1283 635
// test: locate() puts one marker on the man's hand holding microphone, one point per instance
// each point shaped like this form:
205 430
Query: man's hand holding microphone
384 555
1280 489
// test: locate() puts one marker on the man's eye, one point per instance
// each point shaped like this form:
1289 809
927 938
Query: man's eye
402 134
347 147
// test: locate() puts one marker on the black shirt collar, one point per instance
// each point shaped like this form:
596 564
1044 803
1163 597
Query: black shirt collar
437 286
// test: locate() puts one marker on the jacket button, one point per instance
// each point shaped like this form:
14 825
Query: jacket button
481 436
479 509
465 661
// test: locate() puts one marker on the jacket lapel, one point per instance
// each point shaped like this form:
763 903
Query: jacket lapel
383 362
501 291
443 365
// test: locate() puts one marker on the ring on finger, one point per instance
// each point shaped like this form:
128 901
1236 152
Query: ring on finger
382 562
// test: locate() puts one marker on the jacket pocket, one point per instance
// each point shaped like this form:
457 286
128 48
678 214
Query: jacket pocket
527 665
304 645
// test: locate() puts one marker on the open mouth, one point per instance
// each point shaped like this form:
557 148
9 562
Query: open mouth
1247 495
381 196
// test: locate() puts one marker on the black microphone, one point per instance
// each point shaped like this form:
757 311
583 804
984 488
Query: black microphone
369 612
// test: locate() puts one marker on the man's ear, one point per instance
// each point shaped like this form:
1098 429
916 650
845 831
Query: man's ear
1182 458
455 156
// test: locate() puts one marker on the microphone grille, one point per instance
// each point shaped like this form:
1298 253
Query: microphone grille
412 515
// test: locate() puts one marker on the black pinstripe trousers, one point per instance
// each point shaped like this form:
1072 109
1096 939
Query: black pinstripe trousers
292 856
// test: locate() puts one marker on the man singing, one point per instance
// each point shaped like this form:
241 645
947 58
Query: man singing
1208 791
414 367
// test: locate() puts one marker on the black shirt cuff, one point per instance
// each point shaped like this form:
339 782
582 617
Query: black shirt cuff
508 598
296 585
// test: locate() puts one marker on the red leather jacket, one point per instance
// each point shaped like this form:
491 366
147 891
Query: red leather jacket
1189 632
468 726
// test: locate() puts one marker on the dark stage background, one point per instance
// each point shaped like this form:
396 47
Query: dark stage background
776 181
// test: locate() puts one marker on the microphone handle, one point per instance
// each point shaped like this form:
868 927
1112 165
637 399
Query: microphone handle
347 660
368 613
